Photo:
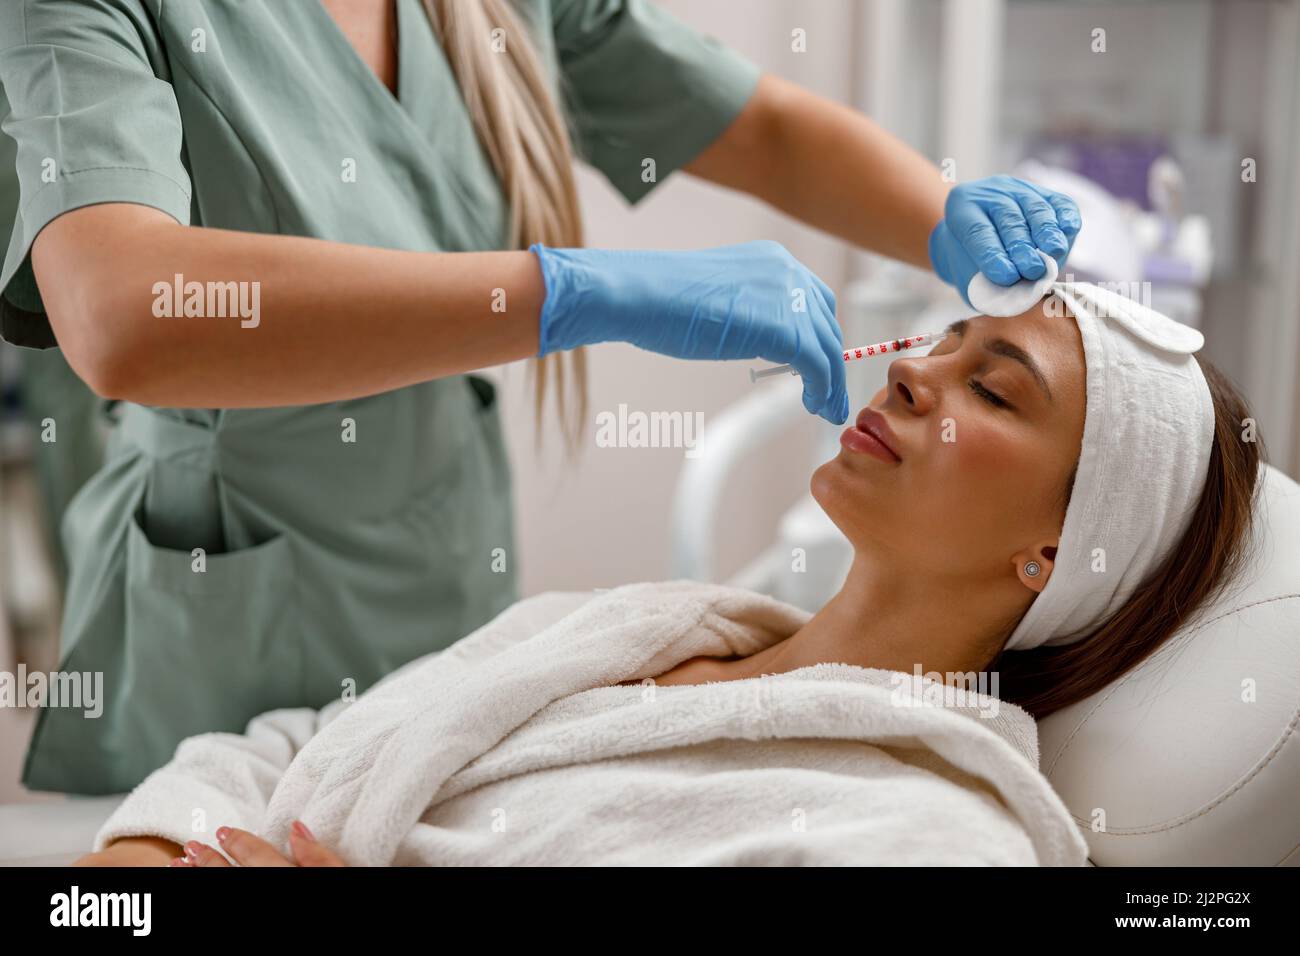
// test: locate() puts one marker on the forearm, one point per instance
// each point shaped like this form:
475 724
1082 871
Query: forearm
334 321
830 167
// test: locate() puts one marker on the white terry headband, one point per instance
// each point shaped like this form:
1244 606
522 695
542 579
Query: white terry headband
1146 446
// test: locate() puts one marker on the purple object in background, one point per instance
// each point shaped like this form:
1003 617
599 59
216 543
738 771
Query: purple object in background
1120 164
1168 271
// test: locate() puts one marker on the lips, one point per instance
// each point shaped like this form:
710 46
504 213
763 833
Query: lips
872 422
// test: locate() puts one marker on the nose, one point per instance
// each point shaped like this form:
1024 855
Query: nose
908 387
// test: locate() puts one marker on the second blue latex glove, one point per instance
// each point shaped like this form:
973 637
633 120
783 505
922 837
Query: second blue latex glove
747 301
994 225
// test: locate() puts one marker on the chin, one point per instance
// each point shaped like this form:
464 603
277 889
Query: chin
857 501
843 492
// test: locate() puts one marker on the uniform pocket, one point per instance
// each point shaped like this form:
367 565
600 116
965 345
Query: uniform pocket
208 649
484 390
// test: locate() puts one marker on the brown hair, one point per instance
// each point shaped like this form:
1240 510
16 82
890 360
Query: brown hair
1211 552
522 129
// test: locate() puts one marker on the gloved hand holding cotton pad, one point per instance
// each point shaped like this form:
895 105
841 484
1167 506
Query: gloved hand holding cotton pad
989 298
997 227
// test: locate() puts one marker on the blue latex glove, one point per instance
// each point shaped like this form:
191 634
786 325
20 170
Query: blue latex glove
732 302
993 226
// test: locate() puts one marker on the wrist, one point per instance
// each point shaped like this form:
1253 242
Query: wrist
933 247
165 850
553 332
584 293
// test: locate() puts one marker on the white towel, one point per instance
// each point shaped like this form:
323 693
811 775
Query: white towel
1147 436
513 747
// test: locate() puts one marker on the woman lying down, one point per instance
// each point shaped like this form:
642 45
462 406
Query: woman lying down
1044 498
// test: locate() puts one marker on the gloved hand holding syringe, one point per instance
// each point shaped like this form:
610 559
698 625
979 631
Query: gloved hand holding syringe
865 351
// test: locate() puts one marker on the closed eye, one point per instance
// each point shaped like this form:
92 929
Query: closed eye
993 399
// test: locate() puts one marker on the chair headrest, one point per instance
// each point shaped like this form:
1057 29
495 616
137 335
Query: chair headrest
1193 758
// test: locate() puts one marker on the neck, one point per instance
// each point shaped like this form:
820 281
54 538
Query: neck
883 619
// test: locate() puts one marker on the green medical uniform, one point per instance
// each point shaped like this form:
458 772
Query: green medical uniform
338 540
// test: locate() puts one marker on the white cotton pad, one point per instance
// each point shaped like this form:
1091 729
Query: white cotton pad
989 298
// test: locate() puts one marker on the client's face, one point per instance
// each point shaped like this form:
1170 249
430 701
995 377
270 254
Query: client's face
985 432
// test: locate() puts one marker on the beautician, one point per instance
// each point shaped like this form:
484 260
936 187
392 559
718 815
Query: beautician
360 202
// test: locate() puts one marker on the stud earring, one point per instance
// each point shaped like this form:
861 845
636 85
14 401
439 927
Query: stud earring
1032 568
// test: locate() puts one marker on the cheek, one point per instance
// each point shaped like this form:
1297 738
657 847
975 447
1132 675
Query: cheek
983 453
953 504
981 482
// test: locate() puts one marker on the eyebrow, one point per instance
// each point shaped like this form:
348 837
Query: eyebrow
1000 346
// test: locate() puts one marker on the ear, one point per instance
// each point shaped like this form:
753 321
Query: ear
1044 555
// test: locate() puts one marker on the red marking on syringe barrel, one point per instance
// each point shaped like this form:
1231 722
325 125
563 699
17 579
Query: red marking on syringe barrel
884 348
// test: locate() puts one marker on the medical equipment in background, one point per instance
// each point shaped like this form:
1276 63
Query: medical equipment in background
861 352
1167 249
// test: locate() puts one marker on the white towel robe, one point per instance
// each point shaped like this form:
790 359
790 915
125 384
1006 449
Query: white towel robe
512 747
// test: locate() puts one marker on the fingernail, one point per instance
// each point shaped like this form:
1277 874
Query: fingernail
223 834
179 861
192 850
300 828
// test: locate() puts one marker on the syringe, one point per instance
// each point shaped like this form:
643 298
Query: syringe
865 351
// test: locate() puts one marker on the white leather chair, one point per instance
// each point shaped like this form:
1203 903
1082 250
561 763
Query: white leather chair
1193 758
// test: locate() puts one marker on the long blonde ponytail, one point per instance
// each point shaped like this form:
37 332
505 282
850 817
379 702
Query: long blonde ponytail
523 132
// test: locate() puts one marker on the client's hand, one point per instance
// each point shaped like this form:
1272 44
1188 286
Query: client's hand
133 851
249 850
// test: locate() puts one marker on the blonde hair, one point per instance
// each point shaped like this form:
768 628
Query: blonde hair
523 132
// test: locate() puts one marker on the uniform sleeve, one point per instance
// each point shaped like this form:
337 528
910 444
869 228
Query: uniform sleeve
640 84
92 118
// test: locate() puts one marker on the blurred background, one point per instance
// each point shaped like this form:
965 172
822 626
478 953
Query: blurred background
1174 124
